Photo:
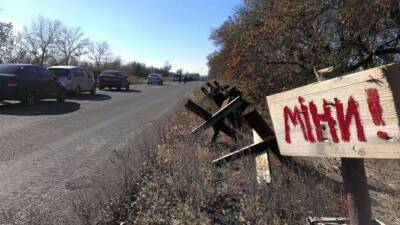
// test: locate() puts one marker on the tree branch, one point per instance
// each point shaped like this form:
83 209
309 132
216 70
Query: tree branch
377 52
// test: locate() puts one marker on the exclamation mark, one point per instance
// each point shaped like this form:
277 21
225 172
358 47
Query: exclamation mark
376 111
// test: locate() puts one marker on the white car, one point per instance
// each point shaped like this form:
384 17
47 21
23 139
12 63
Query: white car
75 79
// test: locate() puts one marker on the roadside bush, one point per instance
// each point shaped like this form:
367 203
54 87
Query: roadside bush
271 46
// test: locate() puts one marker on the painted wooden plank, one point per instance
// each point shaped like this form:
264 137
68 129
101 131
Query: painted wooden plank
262 162
326 221
355 116
255 148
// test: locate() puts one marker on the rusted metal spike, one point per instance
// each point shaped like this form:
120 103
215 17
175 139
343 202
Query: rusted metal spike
209 85
205 91
255 121
196 109
219 115
217 85
226 87
233 92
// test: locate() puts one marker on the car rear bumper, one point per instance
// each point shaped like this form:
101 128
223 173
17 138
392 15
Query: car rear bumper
110 83
154 81
9 93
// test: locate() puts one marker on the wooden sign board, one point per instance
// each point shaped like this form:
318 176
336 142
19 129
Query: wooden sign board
355 116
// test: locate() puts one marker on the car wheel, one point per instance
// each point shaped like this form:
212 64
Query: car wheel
29 99
93 91
77 91
62 96
101 88
127 88
161 83
119 88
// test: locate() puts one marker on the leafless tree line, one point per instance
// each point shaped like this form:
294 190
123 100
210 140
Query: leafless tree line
48 42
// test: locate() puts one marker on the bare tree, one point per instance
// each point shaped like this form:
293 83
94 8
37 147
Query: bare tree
20 52
167 67
179 72
41 37
98 52
6 41
72 43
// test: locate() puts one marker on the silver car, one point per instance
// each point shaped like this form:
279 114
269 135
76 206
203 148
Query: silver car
154 78
75 79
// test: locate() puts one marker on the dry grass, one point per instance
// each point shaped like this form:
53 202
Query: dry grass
136 80
178 185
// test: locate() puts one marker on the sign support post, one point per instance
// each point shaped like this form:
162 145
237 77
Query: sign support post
355 184
356 188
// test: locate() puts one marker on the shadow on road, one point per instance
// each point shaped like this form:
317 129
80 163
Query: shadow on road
124 91
89 97
159 85
41 108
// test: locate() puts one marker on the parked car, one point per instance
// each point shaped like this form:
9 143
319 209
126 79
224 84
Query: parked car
75 79
29 83
113 78
155 78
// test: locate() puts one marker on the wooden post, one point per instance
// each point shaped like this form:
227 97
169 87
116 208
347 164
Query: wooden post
356 188
354 179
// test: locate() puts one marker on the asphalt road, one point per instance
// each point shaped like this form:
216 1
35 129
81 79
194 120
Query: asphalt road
46 146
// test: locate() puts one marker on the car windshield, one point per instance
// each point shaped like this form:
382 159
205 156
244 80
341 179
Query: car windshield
4 69
60 72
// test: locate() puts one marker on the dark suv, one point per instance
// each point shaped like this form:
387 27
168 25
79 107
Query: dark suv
29 83
113 78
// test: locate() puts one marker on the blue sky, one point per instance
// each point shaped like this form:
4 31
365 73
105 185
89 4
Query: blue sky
149 31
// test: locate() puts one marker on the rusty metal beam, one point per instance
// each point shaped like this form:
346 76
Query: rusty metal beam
205 91
255 121
217 85
209 85
233 92
220 115
196 109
